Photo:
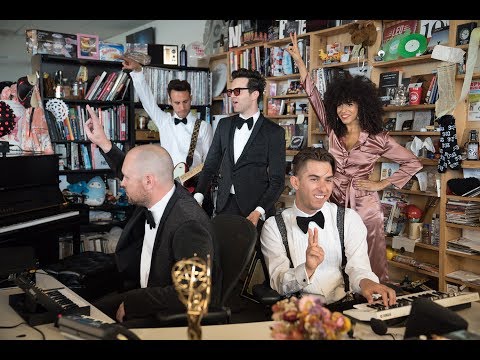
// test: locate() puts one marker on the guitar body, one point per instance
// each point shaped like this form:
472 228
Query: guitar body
186 177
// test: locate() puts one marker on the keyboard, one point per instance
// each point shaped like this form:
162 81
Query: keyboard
38 221
54 302
365 311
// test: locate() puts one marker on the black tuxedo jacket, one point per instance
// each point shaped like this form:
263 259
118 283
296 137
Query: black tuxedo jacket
184 230
259 173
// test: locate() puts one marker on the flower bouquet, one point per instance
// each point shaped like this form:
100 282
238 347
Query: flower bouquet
307 319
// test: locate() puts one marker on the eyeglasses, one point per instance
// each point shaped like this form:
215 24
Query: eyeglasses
235 91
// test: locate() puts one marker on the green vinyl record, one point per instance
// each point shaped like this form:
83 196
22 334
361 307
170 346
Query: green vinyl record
412 45
391 46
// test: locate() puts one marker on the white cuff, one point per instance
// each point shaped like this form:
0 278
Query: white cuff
199 197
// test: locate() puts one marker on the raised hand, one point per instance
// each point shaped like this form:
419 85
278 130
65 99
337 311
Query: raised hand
294 51
95 132
314 253
130 64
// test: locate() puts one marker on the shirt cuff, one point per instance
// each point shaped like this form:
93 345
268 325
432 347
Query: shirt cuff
261 211
301 276
199 197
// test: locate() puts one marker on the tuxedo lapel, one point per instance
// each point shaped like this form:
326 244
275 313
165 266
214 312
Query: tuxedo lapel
231 136
167 211
256 129
131 227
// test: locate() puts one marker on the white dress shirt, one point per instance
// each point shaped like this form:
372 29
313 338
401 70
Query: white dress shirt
150 235
174 138
327 280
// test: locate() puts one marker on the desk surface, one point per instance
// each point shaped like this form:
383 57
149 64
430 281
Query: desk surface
261 330
9 317
243 331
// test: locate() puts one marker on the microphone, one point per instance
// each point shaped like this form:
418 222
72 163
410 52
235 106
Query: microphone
380 327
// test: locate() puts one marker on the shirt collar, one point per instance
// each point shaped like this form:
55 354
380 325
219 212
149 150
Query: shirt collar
254 116
159 208
298 212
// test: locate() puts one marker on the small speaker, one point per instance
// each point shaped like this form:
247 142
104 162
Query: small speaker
427 318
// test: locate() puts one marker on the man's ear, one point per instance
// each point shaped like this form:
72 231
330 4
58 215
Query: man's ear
294 182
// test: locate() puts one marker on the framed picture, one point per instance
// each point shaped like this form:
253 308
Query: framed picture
87 46
296 143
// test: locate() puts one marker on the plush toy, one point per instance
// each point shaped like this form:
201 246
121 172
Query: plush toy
95 192
364 33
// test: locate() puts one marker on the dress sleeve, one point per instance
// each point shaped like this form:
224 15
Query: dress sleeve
316 100
409 163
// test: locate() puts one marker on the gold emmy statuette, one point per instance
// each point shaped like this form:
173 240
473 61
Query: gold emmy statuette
192 280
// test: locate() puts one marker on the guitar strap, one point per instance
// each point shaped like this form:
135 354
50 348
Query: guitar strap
193 142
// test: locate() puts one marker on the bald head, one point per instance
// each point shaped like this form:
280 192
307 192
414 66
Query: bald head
150 159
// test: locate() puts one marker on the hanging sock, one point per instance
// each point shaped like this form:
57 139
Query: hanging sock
449 149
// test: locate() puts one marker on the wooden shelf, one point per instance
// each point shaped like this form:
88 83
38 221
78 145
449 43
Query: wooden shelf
408 61
318 132
346 64
286 40
461 226
463 198
278 117
219 56
292 152
217 98
471 164
464 255
415 133
418 192
288 96
462 76
459 282
388 108
426 246
411 268
283 77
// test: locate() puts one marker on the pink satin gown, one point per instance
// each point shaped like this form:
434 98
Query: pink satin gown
359 163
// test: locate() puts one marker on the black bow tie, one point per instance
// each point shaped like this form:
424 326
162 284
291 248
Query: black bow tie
302 222
241 121
149 218
178 121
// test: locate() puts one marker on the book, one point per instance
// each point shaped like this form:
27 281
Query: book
94 89
391 31
474 101
387 170
402 118
387 84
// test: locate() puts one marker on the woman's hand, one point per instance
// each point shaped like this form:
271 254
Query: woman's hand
294 51
370 185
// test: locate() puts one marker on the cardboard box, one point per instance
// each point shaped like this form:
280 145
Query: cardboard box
53 43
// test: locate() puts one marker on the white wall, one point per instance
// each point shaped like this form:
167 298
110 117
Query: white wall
15 62
170 32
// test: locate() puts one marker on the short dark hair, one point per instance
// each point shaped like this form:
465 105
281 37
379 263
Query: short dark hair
311 153
179 85
256 81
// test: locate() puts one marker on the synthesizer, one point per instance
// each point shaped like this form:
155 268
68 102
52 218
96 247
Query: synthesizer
376 310
38 306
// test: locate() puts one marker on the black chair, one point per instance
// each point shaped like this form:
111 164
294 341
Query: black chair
236 237
263 293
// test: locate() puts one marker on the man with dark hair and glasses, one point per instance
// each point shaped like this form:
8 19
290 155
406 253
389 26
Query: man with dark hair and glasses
175 129
247 154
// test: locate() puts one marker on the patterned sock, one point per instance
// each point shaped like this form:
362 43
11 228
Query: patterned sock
449 149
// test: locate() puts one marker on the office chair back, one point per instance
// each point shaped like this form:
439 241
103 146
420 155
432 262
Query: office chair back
236 237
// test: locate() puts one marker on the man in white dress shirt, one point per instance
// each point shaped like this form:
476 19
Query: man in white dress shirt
315 251
175 129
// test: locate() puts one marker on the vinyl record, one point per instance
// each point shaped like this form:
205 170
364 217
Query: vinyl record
392 45
412 45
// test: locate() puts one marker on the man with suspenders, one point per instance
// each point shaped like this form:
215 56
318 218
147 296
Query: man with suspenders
310 260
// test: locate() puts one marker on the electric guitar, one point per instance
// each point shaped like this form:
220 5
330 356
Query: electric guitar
182 174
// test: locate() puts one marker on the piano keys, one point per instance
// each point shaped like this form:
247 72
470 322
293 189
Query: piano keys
365 311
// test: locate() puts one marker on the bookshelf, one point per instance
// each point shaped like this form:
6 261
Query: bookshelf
79 159
446 260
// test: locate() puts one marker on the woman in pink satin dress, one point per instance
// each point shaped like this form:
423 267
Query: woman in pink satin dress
351 114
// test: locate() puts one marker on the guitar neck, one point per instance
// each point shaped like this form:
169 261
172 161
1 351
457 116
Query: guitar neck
188 175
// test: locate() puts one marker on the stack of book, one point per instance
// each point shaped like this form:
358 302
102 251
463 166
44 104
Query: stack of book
463 212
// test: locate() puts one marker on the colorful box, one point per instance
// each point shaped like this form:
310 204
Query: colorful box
52 43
